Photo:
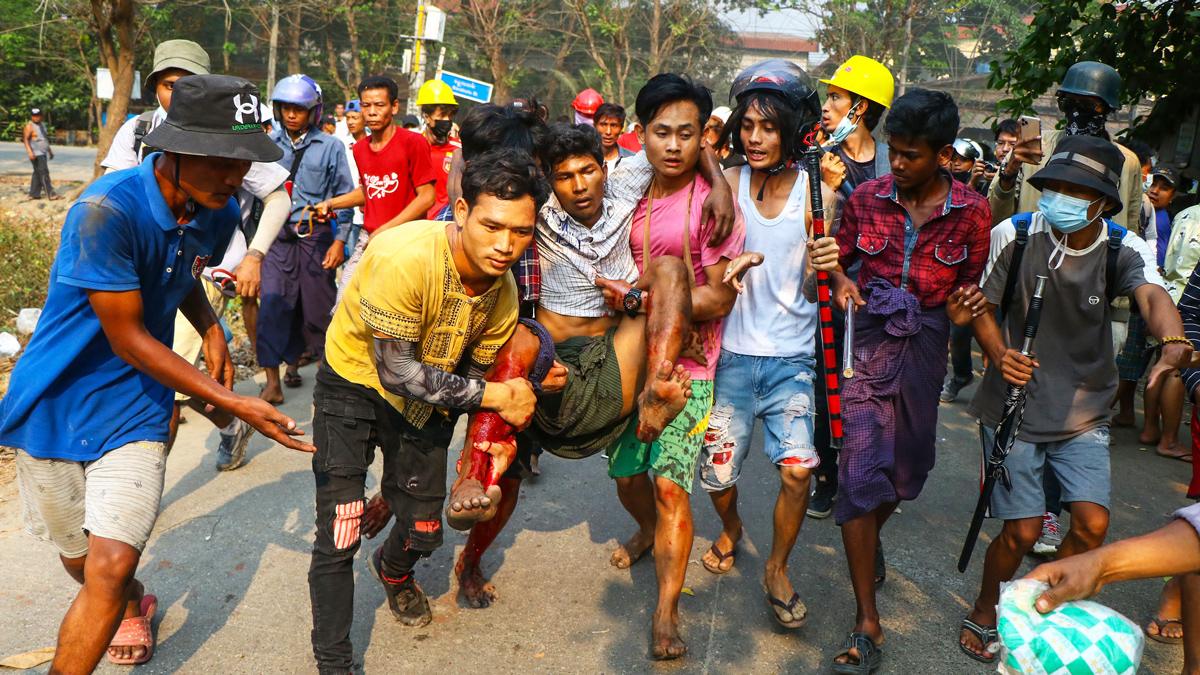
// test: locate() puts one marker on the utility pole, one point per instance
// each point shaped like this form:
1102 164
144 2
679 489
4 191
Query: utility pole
417 77
273 47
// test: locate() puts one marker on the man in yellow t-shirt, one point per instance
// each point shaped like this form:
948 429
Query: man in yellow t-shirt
422 319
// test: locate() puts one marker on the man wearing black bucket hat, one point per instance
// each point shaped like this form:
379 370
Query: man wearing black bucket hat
89 402
1088 261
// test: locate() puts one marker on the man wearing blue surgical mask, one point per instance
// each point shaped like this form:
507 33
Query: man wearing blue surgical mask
1088 261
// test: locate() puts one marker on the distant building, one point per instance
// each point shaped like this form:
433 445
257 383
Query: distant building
753 47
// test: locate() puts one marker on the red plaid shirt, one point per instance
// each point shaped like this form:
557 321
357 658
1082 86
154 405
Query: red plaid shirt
931 261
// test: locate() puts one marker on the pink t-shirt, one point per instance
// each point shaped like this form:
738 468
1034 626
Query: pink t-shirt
666 238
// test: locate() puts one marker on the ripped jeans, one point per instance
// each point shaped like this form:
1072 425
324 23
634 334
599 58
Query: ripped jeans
776 389
351 421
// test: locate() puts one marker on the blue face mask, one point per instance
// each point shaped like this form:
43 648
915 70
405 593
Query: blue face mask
843 129
1067 214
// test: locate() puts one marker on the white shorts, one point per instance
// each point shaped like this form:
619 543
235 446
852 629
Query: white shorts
115 496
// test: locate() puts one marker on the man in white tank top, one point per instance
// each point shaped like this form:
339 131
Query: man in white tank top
767 365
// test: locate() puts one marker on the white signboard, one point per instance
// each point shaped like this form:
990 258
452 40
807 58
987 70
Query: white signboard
104 84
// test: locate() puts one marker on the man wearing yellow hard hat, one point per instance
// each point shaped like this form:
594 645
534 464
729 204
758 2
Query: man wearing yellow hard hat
857 95
438 107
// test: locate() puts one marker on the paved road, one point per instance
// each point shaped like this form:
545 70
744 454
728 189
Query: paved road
229 557
70 163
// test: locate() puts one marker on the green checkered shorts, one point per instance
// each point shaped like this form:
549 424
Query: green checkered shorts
674 455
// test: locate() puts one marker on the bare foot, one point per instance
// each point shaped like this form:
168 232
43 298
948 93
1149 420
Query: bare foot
666 394
479 592
470 503
1149 437
271 394
1173 451
133 609
632 551
534 467
664 634
1123 420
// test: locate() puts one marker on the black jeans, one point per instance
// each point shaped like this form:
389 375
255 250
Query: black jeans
350 422
41 177
960 352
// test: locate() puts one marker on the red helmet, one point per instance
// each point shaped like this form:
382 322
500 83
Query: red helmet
587 102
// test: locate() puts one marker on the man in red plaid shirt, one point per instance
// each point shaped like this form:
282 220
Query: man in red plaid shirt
921 238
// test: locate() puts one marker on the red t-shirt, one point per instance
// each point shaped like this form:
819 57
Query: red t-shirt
390 177
441 156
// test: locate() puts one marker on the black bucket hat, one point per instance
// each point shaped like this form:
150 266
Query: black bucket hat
1088 161
215 116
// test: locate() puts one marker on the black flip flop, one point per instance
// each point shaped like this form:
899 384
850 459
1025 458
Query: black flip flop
870 656
1162 623
721 557
794 606
292 380
987 637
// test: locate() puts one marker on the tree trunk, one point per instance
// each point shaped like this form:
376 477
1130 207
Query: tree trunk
331 55
499 74
272 49
902 82
655 38
225 39
356 68
113 21
292 36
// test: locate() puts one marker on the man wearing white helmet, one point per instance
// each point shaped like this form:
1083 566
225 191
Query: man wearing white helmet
264 206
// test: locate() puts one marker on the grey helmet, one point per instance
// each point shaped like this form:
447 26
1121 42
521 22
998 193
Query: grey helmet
1092 78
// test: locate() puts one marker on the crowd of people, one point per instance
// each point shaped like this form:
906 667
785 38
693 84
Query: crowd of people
650 287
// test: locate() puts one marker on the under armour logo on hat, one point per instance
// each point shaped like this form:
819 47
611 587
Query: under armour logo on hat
244 109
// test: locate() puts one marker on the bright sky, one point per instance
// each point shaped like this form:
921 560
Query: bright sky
787 21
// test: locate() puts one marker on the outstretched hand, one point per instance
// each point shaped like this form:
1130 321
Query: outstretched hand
271 423
1073 578
1175 356
737 268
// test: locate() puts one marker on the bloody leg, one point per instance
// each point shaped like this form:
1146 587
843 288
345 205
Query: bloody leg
490 445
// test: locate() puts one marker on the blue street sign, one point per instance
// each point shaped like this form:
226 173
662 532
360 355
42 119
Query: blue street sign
465 87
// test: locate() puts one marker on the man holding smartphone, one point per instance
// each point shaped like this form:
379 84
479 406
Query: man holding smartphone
1089 93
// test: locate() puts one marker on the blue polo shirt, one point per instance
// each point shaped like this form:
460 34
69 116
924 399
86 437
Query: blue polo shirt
70 397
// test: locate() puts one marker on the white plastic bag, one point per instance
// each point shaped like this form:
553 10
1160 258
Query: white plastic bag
1077 637
9 345
27 320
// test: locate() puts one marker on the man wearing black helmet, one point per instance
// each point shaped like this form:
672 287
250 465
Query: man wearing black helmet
767 366
1089 93
132 249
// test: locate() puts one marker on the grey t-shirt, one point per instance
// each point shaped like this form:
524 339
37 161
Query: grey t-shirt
1073 389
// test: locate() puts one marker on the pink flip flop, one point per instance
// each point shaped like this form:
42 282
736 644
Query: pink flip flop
136 632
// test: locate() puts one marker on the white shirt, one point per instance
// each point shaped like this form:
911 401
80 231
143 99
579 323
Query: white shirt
772 317
573 255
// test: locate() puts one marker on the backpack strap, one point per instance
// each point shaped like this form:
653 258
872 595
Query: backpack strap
144 121
1021 223
1116 235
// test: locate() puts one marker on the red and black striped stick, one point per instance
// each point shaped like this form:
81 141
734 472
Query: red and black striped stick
829 360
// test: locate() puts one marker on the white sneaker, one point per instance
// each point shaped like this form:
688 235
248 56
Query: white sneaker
1051 538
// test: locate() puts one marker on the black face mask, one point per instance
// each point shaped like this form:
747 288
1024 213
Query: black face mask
1084 121
441 130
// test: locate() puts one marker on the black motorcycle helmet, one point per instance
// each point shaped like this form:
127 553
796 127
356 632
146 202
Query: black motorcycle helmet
782 82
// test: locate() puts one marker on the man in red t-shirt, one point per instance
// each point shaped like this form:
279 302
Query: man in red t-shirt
396 178
438 108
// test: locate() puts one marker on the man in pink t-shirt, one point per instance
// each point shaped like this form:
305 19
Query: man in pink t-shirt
673 111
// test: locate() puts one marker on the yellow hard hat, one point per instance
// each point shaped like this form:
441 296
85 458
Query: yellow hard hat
866 77
435 92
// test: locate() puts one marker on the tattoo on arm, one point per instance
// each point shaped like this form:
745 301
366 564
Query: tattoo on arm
402 374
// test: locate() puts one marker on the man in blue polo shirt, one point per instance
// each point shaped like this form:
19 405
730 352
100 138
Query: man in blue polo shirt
89 402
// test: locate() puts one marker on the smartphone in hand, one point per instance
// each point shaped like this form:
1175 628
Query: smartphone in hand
1030 128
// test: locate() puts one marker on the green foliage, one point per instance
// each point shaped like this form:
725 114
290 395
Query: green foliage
26 253
1152 44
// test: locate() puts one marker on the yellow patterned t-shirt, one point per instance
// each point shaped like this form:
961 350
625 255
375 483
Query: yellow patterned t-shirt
406 286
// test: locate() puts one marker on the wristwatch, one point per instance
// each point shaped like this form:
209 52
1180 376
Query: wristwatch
632 302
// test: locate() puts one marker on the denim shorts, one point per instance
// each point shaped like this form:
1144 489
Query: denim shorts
779 390
1081 465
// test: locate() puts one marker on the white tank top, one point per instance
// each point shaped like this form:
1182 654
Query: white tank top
772 318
